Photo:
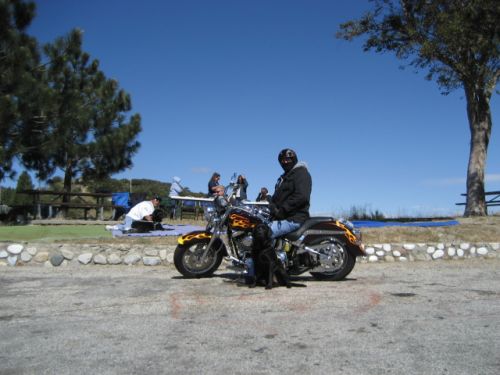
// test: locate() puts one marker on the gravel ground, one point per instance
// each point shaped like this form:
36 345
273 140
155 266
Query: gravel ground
412 318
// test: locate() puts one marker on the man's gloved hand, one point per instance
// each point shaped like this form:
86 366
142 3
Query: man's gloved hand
276 213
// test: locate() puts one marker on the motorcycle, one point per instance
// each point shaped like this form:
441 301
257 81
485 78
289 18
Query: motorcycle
324 246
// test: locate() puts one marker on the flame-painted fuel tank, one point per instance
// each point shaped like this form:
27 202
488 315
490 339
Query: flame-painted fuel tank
243 219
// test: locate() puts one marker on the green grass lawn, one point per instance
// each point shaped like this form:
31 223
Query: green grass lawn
52 232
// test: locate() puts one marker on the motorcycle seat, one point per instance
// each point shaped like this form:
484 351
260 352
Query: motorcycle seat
295 235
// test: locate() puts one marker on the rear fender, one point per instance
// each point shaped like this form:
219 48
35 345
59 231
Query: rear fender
338 230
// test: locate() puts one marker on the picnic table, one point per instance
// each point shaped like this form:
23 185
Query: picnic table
193 204
65 200
493 201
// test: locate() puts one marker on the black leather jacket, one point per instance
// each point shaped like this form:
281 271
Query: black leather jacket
292 195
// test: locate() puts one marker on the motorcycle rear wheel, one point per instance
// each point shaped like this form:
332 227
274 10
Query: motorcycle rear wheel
187 259
340 263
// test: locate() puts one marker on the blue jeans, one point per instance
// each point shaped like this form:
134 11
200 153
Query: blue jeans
283 227
127 224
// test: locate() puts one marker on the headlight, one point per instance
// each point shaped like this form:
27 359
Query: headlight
209 212
220 204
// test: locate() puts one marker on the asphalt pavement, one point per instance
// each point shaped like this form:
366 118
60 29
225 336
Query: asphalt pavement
439 317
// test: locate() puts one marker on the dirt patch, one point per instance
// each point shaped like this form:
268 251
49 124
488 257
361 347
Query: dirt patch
474 230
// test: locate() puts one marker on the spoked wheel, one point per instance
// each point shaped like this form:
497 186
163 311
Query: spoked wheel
189 261
336 262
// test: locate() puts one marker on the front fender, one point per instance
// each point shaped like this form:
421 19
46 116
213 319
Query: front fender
195 236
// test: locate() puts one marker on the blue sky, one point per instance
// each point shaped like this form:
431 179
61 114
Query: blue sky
224 85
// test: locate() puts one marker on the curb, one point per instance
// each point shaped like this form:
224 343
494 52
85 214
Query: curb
64 254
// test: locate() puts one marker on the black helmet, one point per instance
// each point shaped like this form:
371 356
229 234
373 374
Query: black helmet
287 159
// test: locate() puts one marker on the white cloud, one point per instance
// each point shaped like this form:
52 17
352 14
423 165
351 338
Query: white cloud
200 170
454 181
445 182
492 177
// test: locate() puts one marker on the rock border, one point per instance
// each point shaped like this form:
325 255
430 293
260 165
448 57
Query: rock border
64 254
430 251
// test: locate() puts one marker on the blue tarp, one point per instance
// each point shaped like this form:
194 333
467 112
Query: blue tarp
121 199
376 224
168 230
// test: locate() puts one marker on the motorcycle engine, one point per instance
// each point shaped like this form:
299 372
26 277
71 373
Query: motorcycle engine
244 241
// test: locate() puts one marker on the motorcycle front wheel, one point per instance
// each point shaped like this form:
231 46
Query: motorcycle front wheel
188 258
336 262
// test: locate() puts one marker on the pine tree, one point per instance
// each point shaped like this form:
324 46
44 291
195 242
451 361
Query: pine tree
20 82
86 132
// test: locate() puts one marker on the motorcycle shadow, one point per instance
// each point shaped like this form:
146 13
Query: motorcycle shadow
239 278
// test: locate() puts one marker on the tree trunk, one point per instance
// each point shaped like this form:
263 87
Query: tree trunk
479 115
67 187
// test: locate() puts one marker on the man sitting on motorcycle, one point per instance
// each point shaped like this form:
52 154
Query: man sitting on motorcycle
289 204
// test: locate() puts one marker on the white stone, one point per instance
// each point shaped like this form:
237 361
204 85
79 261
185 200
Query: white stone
67 254
114 259
48 264
85 258
380 253
438 254
387 247
451 251
163 254
32 250
170 257
12 260
377 246
41 257
440 246
15 248
131 259
403 259
372 258
396 253
482 251
409 246
3 254
460 252
25 256
370 250
151 261
495 246
100 259
473 250
464 246
151 252
431 249
3 263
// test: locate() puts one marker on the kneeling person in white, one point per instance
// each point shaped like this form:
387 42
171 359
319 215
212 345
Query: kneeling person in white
141 211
